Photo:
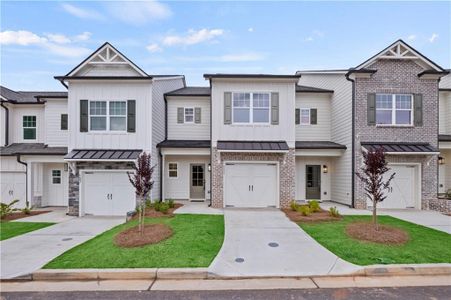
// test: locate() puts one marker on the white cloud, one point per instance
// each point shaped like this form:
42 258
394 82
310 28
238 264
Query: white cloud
412 37
139 12
21 37
58 44
82 13
250 29
433 37
83 36
193 37
308 39
315 35
154 48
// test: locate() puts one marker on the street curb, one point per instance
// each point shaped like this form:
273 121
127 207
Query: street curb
202 273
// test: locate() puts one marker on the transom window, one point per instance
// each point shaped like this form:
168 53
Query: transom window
172 170
305 116
29 127
251 107
394 109
56 176
108 115
189 115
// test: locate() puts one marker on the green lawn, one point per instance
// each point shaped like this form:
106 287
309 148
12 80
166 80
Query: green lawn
195 242
12 229
425 245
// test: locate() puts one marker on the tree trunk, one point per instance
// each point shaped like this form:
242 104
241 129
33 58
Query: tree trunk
143 211
140 228
376 226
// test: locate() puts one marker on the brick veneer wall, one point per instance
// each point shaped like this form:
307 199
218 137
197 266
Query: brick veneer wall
74 180
399 76
287 173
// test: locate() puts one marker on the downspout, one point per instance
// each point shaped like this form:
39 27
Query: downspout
6 123
353 140
26 176
211 145
159 150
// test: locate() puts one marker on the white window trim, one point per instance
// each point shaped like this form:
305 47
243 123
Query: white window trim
393 109
309 116
251 108
35 128
184 115
177 170
107 116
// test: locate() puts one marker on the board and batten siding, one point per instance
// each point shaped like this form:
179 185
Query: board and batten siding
16 114
445 112
54 136
160 86
321 130
189 131
113 90
284 131
10 164
341 129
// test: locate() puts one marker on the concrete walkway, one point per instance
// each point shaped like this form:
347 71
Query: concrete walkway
197 208
56 215
26 253
264 242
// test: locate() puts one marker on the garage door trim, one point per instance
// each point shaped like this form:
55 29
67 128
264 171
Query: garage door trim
81 194
265 162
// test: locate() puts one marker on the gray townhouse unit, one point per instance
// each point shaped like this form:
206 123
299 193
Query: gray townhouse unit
246 140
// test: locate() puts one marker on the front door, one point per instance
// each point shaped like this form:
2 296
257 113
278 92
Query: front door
197 186
313 182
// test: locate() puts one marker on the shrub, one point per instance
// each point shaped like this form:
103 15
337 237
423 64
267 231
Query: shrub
333 212
7 208
314 206
27 209
304 210
164 207
148 203
156 205
294 205
171 203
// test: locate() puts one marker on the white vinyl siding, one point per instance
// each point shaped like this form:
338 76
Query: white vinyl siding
54 135
445 113
188 131
17 112
321 131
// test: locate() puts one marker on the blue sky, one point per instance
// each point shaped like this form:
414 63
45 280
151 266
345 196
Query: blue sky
40 39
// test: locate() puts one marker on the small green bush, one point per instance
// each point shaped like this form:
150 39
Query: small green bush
7 208
148 203
156 205
333 212
314 206
171 203
164 207
304 210
294 205
27 209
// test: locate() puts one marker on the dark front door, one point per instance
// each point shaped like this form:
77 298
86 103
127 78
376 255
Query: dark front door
313 182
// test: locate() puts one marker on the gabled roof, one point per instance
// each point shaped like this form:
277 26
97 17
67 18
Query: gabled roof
31 149
191 91
270 76
106 54
401 50
28 97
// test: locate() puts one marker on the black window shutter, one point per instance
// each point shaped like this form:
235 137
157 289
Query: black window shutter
64 122
371 109
84 115
297 116
180 115
418 110
227 108
275 108
313 116
131 115
197 115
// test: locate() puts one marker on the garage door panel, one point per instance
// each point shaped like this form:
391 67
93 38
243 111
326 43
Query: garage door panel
122 192
403 187
13 187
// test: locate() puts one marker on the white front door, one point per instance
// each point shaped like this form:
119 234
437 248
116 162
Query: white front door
403 188
108 194
56 191
250 185
13 187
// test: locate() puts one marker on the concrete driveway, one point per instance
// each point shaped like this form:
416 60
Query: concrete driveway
264 242
26 253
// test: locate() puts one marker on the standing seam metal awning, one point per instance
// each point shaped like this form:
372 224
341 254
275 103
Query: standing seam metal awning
98 154
401 148
279 146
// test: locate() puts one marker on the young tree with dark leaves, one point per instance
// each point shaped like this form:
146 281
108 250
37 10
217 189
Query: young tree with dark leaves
141 180
372 176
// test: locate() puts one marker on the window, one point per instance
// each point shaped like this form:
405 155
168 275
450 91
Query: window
172 170
29 127
56 176
108 115
305 116
189 115
64 122
251 107
393 109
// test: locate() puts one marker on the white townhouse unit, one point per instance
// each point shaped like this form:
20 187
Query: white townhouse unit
246 140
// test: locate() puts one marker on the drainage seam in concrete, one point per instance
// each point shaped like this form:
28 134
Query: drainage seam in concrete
314 282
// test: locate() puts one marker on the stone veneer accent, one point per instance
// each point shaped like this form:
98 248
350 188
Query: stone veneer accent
399 76
74 180
287 173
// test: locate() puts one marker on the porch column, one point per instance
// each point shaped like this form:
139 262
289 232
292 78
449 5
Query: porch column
30 183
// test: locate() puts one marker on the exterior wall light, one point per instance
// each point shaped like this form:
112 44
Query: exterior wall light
209 167
325 169
441 160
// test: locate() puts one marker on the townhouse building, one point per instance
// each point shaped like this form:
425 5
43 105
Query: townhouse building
246 140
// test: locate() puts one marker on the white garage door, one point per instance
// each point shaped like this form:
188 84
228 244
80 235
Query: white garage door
13 187
108 194
250 185
403 189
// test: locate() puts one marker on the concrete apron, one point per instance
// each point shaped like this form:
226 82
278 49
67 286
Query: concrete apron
265 243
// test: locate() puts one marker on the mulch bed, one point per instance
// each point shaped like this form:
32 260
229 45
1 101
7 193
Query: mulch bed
153 234
20 215
388 235
152 213
321 216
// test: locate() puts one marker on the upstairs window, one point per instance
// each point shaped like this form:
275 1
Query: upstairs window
189 115
118 115
108 115
29 127
97 115
305 116
251 108
394 109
